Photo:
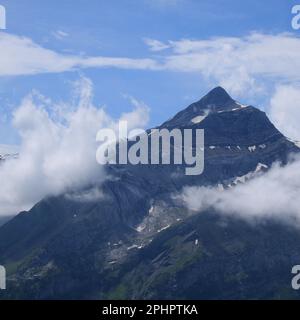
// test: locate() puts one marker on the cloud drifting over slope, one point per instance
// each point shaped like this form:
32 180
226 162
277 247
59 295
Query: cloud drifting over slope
58 149
274 194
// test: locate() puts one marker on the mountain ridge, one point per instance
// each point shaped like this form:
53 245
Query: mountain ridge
60 241
217 100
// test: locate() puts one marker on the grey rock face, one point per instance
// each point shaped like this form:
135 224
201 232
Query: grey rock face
63 248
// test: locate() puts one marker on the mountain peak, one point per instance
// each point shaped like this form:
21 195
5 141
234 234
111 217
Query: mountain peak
216 100
217 97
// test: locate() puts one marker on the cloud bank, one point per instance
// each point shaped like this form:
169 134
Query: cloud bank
274 194
58 148
285 110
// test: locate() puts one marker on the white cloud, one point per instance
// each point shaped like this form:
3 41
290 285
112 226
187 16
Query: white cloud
274 194
242 65
8 149
139 117
22 56
58 149
285 110
236 63
156 45
90 195
60 35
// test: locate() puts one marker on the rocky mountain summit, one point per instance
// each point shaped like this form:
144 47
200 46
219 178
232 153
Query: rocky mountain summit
138 242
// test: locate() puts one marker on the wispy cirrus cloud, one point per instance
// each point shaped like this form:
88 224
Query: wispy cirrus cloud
22 56
156 45
60 35
237 63
240 64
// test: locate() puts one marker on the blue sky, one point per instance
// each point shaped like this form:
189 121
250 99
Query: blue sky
126 29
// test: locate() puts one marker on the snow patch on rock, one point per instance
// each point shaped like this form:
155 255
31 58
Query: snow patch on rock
198 119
